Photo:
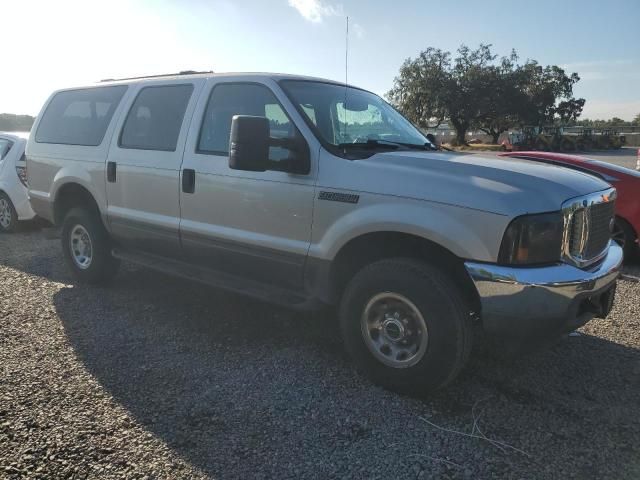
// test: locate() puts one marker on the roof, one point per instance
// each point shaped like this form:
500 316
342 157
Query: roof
192 74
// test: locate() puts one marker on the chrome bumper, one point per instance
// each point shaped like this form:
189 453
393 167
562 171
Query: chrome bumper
544 300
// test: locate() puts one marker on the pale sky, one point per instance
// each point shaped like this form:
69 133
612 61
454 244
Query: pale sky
54 44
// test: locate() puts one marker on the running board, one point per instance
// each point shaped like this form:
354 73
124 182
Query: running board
221 280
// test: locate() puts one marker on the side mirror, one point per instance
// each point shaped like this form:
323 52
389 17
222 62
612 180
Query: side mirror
249 143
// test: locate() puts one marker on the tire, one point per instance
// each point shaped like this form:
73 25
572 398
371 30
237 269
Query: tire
98 266
624 235
8 215
438 302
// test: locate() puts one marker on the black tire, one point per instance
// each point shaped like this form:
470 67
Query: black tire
11 224
440 303
103 266
624 235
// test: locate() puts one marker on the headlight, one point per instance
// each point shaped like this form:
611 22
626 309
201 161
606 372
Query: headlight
532 239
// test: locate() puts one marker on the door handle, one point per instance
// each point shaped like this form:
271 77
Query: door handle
111 172
188 180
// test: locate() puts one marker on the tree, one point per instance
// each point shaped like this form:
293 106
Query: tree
549 93
432 87
502 98
419 89
468 85
636 120
474 89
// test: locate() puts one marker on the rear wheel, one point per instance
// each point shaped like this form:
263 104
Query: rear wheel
624 235
8 215
406 325
87 247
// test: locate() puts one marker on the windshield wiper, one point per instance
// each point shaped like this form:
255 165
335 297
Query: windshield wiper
371 143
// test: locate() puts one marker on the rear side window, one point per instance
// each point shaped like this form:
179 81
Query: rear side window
79 117
5 146
155 118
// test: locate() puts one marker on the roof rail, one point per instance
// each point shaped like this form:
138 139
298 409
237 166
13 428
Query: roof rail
183 72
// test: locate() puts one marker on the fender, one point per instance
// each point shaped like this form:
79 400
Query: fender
89 175
467 233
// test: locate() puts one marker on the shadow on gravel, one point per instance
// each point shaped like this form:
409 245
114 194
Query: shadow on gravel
238 388
243 389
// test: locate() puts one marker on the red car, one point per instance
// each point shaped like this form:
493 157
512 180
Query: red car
626 181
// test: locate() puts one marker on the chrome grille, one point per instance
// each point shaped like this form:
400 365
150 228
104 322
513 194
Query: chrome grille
588 223
599 228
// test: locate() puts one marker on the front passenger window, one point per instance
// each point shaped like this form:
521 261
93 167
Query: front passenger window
231 99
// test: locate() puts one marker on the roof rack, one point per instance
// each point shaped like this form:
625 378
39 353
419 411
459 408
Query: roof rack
183 72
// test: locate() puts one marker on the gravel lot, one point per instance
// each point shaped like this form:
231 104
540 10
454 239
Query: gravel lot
160 378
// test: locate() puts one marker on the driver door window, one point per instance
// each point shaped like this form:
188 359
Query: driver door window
228 100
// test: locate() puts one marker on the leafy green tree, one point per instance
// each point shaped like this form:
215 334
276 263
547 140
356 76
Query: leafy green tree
433 87
474 89
502 98
420 88
468 87
549 92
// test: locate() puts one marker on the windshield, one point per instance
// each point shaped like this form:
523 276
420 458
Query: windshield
352 118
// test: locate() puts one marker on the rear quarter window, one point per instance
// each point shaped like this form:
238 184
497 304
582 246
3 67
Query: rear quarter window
5 146
79 117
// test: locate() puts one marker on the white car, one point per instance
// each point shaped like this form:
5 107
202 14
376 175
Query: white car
14 201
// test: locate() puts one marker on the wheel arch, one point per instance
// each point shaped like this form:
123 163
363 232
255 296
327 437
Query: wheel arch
628 223
71 195
373 246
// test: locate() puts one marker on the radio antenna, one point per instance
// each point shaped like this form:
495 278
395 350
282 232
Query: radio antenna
346 77
346 55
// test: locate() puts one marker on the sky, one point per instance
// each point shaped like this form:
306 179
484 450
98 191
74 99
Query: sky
62 43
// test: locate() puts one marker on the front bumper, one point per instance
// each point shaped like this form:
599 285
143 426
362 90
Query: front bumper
539 301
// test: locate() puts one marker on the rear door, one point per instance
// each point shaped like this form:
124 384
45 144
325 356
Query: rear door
143 166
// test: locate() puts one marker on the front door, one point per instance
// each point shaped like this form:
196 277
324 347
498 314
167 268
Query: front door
255 225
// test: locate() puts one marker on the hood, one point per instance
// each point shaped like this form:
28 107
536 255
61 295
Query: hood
500 185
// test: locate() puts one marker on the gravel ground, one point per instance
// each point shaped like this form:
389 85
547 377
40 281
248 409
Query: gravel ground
160 378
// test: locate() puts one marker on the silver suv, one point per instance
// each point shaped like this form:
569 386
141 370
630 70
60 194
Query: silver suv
305 192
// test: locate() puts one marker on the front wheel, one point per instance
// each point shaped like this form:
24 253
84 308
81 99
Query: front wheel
406 325
8 215
87 247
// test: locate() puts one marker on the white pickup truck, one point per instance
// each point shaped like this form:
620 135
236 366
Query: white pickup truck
306 192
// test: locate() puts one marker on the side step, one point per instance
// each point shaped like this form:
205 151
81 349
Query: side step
221 280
